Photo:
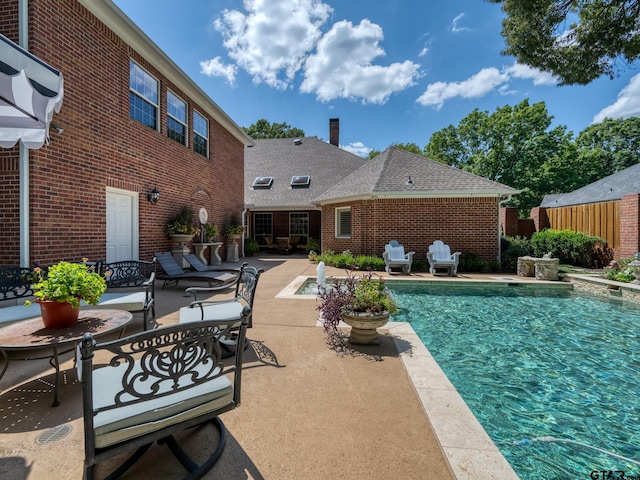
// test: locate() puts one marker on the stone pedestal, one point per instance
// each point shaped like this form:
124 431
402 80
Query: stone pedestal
547 268
526 266
233 252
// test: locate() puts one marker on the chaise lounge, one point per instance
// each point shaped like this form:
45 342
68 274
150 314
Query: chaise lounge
173 272
440 256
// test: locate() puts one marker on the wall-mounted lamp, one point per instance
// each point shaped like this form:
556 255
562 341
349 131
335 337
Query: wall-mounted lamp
57 128
153 196
409 181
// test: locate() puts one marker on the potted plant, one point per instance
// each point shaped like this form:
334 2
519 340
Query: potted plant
312 245
232 228
210 231
363 302
251 246
61 290
182 226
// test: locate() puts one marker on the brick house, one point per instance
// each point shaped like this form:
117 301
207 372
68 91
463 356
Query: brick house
132 122
359 205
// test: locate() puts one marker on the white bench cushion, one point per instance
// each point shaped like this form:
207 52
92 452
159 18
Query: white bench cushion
133 301
220 311
122 423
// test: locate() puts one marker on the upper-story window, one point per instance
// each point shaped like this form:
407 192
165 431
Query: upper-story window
200 134
143 96
176 118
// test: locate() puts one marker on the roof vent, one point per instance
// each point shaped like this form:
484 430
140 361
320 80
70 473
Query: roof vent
297 141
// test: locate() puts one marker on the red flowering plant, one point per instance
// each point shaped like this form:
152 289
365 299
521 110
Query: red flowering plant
365 294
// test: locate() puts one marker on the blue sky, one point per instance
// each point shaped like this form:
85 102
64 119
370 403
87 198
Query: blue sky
391 71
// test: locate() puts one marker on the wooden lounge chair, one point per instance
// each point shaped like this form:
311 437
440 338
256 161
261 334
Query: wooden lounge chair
149 386
395 257
173 272
268 240
440 256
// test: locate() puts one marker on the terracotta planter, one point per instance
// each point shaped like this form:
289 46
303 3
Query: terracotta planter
58 314
363 327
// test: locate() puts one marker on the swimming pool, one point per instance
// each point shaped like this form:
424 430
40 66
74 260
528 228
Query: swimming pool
551 375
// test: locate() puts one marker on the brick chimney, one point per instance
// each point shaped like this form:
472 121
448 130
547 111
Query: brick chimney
334 131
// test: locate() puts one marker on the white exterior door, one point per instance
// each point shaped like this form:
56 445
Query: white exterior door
122 225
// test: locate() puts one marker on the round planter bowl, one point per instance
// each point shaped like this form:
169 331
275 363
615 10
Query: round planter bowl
58 314
363 327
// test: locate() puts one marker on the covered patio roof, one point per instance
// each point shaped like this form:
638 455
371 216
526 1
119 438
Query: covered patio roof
30 91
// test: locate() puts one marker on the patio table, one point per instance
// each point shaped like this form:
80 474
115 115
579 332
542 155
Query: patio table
29 340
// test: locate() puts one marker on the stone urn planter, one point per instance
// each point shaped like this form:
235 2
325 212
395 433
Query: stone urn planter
181 238
364 327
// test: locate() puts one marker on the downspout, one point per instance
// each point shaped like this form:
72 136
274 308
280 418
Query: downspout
244 216
500 204
23 34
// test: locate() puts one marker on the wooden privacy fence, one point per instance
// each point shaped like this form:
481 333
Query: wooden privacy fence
597 219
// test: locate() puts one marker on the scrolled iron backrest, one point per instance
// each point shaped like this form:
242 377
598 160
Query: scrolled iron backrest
246 287
157 360
16 282
128 273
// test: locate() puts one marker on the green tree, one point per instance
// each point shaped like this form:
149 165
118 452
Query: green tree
576 40
608 147
409 147
263 129
514 146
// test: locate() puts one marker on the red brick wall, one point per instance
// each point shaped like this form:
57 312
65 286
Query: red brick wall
629 226
101 146
468 225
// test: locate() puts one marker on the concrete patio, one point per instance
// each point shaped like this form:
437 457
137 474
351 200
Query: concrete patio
307 410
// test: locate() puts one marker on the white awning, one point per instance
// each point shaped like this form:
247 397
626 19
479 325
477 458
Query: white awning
30 91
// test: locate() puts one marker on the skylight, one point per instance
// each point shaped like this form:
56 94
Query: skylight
262 182
300 181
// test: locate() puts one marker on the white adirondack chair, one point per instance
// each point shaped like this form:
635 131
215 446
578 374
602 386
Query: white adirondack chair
440 256
395 257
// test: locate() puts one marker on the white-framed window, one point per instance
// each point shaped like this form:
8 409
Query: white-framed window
176 118
343 222
200 134
143 96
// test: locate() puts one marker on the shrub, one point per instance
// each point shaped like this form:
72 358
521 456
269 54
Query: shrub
470 262
346 260
574 248
512 248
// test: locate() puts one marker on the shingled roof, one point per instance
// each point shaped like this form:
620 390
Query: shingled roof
283 158
613 187
388 174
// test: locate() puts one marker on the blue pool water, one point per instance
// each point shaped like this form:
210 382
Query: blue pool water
533 364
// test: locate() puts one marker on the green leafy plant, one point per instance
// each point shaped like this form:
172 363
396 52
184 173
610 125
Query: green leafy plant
312 244
362 294
251 246
573 248
348 261
183 223
69 282
619 271
232 226
210 230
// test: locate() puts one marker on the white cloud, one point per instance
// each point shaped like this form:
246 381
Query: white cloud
274 40
342 66
357 148
482 83
525 72
476 86
627 104
216 68
454 25
273 37
423 52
